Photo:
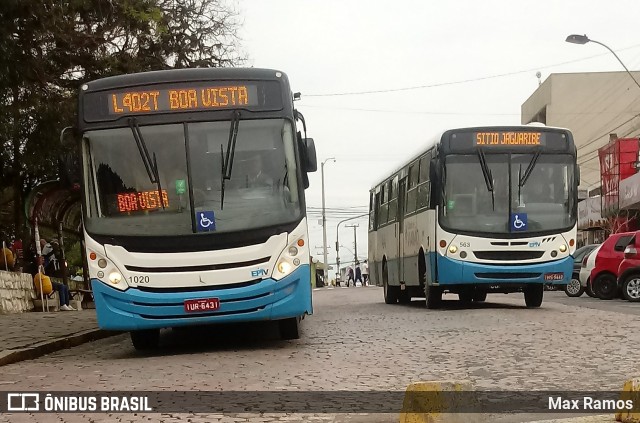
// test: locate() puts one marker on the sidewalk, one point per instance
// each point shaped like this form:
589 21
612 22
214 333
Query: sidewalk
29 335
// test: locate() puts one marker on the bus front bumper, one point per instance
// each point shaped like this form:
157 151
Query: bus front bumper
135 309
454 272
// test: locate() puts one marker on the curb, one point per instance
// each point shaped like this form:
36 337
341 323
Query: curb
441 404
632 386
47 347
601 418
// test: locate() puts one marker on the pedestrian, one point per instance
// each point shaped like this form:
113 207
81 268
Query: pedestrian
51 266
350 277
18 255
358 275
365 273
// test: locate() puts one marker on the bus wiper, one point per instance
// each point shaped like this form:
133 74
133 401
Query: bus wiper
527 173
227 164
488 177
151 167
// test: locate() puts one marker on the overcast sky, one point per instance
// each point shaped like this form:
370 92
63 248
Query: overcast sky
341 46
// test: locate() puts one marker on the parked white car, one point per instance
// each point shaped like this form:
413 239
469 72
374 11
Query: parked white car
588 263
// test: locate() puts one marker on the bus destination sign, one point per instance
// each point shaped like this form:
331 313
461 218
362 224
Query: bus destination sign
127 202
509 139
182 99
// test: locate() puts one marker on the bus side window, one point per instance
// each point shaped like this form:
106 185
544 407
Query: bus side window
424 168
372 212
376 212
393 200
424 187
410 205
413 175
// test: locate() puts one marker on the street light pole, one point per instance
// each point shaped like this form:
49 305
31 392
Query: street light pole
583 39
338 243
325 271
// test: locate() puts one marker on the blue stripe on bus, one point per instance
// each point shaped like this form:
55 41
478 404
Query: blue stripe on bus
451 271
134 309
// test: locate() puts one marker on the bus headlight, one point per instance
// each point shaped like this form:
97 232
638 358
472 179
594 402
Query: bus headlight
106 270
284 267
293 255
115 277
562 248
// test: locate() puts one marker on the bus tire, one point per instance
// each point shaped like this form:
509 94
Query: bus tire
144 340
391 293
533 295
289 328
480 296
433 296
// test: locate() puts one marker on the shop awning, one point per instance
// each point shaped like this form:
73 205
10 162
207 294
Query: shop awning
52 203
630 192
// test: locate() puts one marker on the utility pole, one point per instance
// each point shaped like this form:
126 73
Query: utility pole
338 242
325 271
355 243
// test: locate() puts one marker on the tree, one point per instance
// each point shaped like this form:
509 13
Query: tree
48 48
621 221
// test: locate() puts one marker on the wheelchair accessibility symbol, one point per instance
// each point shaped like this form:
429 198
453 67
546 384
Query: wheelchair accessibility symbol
519 221
206 221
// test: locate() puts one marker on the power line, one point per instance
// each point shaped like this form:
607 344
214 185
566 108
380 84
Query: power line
442 84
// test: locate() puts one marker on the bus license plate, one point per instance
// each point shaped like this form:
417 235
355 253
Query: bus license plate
204 304
554 276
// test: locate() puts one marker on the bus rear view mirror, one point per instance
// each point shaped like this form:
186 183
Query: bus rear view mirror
311 159
69 167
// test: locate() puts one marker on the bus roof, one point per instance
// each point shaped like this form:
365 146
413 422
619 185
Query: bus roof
191 74
436 139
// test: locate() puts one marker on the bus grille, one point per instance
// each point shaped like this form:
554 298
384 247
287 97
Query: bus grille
507 255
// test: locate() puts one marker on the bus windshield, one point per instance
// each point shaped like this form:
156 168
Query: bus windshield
263 189
545 199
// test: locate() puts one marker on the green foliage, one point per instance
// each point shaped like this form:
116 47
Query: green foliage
73 254
48 48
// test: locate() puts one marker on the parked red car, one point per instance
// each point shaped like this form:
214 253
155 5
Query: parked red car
629 271
604 275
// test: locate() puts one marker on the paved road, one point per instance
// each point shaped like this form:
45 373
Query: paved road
356 342
616 306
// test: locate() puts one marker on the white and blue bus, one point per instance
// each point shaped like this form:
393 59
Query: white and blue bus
193 200
479 210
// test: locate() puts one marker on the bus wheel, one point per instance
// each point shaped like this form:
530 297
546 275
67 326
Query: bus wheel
533 295
290 328
391 293
480 296
145 339
433 296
